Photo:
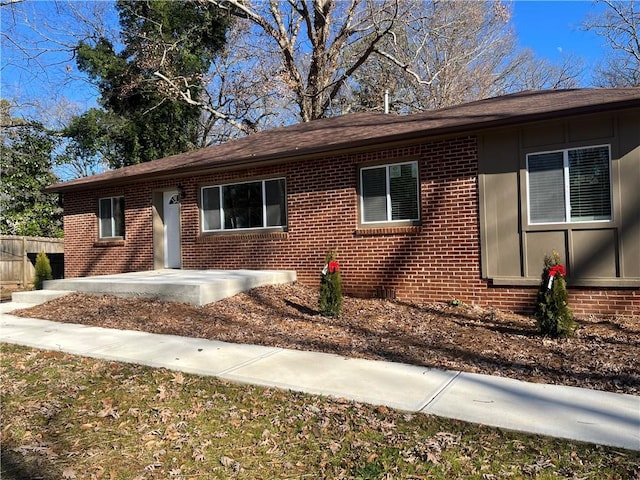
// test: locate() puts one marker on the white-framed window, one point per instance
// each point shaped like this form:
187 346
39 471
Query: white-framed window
390 193
247 205
111 213
570 186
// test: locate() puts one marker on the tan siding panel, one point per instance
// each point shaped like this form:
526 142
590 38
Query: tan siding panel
498 172
594 253
543 135
537 245
587 130
629 194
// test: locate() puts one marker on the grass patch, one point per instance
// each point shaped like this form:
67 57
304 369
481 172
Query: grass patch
69 417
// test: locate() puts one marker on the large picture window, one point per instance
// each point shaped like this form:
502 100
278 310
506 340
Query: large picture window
111 213
260 204
390 193
572 185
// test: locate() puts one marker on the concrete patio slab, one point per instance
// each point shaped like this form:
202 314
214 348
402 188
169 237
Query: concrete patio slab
34 297
554 410
401 386
196 287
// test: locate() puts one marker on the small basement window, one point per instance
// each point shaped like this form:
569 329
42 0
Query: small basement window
569 186
111 213
390 193
248 205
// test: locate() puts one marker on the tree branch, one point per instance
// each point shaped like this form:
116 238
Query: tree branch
186 96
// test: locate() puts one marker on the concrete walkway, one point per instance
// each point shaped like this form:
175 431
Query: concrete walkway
558 411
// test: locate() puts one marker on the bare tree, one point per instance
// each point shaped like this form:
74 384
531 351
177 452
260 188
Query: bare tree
619 25
339 57
39 41
528 72
319 43
245 90
446 53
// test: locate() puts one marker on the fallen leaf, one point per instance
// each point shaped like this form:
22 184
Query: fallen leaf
227 461
68 473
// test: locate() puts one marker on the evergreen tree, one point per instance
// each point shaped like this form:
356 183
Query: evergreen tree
25 163
139 120
43 270
552 308
330 301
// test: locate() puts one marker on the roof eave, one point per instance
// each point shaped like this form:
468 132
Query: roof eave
296 154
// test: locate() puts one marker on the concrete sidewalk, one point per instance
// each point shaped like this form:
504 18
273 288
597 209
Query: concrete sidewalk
558 411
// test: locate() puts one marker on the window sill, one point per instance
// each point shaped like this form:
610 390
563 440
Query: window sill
545 227
267 234
587 282
390 230
109 242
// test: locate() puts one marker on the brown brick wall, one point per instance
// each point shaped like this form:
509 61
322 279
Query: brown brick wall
437 261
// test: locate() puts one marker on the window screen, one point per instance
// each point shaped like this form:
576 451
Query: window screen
546 188
572 185
374 194
590 184
275 203
211 208
111 213
403 188
390 193
244 205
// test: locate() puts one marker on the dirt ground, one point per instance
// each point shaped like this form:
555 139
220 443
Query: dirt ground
603 355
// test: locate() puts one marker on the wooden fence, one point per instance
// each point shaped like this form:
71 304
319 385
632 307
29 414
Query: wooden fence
18 257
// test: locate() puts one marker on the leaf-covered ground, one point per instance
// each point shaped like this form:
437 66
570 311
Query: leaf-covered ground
603 355
66 417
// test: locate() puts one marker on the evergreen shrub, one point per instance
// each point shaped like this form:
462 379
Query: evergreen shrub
552 313
330 301
43 270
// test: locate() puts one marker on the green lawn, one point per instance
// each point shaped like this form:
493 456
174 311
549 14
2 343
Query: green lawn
69 417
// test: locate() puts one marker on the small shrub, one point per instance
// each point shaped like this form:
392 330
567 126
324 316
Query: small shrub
43 270
552 312
330 301
457 303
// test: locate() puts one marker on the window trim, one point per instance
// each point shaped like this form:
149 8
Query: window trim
389 221
567 187
263 228
112 218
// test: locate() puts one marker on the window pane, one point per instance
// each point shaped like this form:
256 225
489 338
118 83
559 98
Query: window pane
118 216
590 184
105 218
211 208
546 188
403 182
276 203
374 194
242 205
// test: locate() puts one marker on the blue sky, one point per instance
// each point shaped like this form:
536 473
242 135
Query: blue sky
552 27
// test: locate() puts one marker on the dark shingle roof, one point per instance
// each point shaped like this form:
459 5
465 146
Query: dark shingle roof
363 130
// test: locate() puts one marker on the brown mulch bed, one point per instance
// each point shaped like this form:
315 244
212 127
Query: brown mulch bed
603 355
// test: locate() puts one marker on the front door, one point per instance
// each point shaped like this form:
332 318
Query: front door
171 210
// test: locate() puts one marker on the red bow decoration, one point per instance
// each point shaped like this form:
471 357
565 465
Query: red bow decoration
557 269
553 271
333 266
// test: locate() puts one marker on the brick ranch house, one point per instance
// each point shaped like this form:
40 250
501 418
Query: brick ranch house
462 202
